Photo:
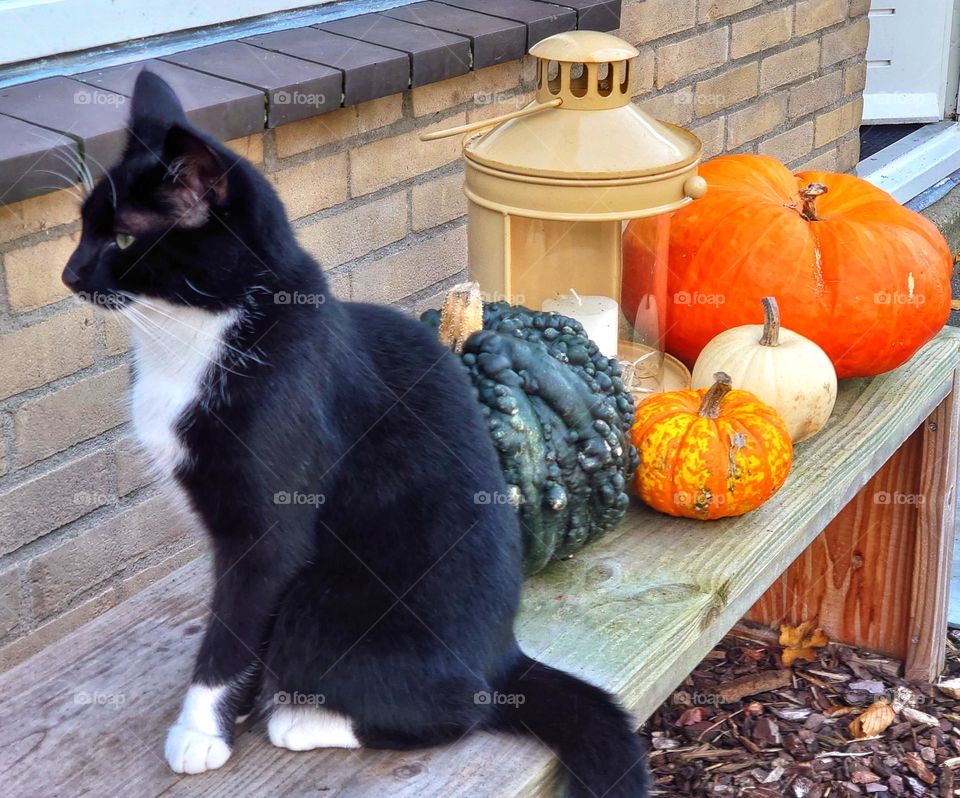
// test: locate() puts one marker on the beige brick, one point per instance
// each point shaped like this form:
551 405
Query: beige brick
131 585
790 145
674 106
717 9
761 32
319 131
438 201
815 94
61 574
379 113
727 89
750 123
848 153
480 88
814 15
418 266
116 333
33 273
132 466
313 186
80 411
824 162
790 65
250 147
344 236
847 42
10 610
49 501
382 163
711 134
47 350
838 122
654 19
859 8
502 105
339 285
643 71
48 633
854 78
34 215
690 56
528 70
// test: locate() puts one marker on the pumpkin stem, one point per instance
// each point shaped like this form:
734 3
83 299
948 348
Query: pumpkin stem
710 404
809 196
461 316
771 322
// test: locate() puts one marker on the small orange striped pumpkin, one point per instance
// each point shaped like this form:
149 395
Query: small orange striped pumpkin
711 453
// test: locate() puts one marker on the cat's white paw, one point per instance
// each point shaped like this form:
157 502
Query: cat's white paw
304 729
189 750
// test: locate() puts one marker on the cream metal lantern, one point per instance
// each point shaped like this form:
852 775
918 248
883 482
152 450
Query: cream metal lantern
550 187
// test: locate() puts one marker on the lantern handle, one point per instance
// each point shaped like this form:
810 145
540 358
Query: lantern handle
454 131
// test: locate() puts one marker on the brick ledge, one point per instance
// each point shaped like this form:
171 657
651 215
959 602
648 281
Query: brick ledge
237 88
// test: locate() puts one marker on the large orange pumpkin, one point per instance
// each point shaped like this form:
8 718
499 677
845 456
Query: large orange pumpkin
853 270
711 453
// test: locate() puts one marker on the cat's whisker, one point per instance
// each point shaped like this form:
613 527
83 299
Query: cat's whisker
76 163
106 175
72 190
194 288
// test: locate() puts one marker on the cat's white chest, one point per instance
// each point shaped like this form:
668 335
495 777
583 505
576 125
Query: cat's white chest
175 348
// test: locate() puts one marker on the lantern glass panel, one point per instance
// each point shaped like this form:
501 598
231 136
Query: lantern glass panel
577 269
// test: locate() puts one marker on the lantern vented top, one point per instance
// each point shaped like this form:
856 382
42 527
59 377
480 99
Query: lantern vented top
584 47
585 69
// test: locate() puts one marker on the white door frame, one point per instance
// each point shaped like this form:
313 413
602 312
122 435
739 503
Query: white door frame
913 164
899 24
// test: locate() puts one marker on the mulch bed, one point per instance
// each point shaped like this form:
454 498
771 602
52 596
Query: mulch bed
743 726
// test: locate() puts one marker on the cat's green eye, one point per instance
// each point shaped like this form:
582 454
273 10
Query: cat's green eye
124 240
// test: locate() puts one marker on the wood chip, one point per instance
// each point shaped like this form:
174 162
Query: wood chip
916 716
753 683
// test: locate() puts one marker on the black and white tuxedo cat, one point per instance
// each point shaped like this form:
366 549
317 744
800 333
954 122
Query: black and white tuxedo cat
333 452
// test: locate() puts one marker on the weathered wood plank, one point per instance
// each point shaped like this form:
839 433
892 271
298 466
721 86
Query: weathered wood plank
935 531
634 612
856 577
878 576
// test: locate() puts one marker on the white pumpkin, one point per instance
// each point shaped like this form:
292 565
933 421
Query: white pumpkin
782 368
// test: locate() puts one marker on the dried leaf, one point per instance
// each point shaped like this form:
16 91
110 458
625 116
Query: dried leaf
800 641
874 720
838 711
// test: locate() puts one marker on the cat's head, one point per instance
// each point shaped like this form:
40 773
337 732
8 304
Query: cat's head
171 220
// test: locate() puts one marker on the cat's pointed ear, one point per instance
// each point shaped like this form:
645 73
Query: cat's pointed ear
196 176
154 109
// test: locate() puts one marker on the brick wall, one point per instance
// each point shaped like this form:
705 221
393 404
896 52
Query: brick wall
82 527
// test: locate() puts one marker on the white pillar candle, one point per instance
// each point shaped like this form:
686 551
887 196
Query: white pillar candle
599 315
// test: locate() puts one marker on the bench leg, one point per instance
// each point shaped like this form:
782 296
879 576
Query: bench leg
878 577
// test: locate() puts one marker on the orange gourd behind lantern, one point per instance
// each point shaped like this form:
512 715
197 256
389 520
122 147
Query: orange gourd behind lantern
711 453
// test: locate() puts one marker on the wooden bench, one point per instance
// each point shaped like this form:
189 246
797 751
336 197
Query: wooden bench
634 612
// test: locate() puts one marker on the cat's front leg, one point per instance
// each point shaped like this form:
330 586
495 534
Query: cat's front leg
228 667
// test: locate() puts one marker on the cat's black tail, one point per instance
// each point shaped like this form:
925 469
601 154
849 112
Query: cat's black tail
592 735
